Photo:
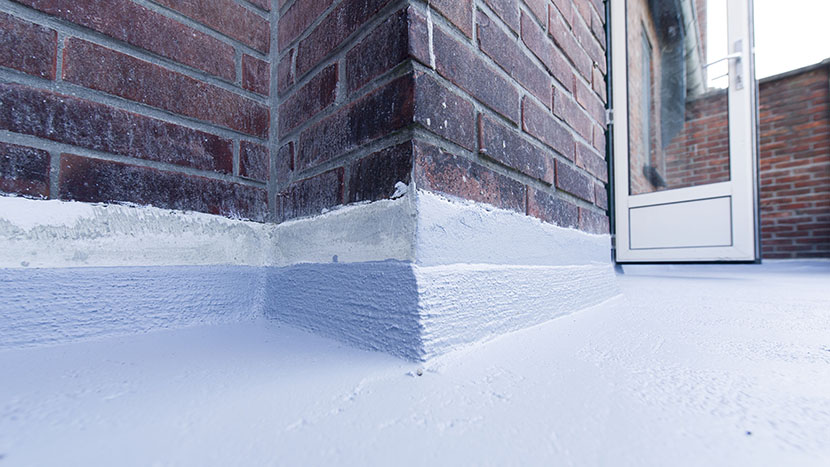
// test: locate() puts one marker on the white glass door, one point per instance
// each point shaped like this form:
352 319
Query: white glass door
684 130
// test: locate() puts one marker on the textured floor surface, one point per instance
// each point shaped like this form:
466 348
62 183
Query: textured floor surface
694 365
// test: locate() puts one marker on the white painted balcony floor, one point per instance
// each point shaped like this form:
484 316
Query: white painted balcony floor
694 365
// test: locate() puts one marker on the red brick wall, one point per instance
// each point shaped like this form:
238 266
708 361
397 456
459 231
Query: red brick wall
167 103
534 72
795 164
794 154
346 99
153 102
498 101
700 153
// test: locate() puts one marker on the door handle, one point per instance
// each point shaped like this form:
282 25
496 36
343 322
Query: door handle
737 56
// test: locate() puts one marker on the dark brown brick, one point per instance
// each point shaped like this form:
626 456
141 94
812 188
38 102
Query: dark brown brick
256 75
589 101
311 196
563 37
507 10
588 159
24 170
419 45
539 9
375 176
284 164
101 181
443 112
459 12
294 22
136 25
534 37
460 64
598 84
309 100
254 161
538 121
505 51
598 5
571 181
343 21
112 72
598 28
264 4
593 222
565 8
439 171
589 43
601 196
285 72
582 10
90 125
600 139
552 209
567 109
402 36
227 17
27 47
507 147
375 115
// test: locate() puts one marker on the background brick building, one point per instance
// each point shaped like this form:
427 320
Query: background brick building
794 155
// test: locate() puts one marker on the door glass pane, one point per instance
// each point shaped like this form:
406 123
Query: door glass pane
678 122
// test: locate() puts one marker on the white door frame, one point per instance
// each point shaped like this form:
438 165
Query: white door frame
740 190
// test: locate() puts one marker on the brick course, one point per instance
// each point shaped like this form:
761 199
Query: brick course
142 105
91 125
311 196
97 180
228 18
106 70
445 172
132 23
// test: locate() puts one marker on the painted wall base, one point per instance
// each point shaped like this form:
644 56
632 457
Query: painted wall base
416 277
463 304
55 306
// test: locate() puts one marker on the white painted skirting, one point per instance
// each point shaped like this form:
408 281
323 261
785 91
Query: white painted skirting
462 304
417 276
58 305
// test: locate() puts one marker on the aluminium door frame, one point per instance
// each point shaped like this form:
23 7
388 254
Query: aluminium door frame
617 148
